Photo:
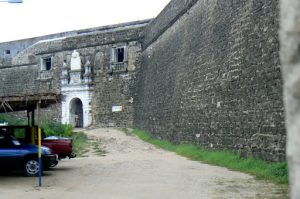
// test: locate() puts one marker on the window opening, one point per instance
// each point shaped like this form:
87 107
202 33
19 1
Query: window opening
120 55
47 63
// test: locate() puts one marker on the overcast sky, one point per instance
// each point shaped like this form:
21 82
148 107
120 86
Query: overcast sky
40 17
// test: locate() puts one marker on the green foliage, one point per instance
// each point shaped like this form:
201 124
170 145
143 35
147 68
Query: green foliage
11 120
126 131
276 172
80 142
20 133
56 128
49 127
161 143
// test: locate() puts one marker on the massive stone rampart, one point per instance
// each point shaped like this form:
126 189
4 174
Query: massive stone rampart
170 14
211 75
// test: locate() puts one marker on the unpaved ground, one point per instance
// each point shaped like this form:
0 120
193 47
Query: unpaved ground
136 170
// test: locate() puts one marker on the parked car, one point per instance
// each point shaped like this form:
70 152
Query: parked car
61 146
15 155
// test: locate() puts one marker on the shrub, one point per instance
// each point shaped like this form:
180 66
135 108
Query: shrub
56 128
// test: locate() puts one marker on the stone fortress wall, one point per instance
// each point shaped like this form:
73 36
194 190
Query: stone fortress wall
211 75
205 72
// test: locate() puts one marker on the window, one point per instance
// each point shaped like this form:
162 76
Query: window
20 133
47 63
7 52
118 60
120 55
46 72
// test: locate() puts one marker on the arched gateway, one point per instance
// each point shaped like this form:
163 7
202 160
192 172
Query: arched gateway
76 113
76 90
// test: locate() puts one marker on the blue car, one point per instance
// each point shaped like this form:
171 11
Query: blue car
16 156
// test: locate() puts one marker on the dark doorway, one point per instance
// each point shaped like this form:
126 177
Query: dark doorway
76 113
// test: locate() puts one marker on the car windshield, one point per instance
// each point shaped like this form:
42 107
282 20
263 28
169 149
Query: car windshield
4 138
16 142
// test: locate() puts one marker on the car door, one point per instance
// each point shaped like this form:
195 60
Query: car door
9 153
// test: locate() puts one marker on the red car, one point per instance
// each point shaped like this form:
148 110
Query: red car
59 145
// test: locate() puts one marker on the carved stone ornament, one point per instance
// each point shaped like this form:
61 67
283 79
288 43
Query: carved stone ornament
75 61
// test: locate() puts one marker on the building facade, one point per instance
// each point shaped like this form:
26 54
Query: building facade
202 72
94 73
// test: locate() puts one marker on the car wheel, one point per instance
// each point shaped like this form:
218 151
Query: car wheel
31 168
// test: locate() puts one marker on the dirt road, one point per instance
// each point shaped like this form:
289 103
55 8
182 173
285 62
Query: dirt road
136 170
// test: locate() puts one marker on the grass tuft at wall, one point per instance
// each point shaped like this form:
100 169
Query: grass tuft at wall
276 172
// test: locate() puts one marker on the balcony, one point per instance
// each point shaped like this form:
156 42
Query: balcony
45 74
118 67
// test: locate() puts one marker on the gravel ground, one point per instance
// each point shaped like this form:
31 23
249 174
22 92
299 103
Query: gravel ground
133 169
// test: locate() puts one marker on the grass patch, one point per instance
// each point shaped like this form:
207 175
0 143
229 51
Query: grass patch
126 131
276 172
160 143
80 143
98 149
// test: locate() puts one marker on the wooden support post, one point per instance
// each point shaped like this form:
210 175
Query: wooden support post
32 117
28 118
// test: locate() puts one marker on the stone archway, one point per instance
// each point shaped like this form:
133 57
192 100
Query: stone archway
76 112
